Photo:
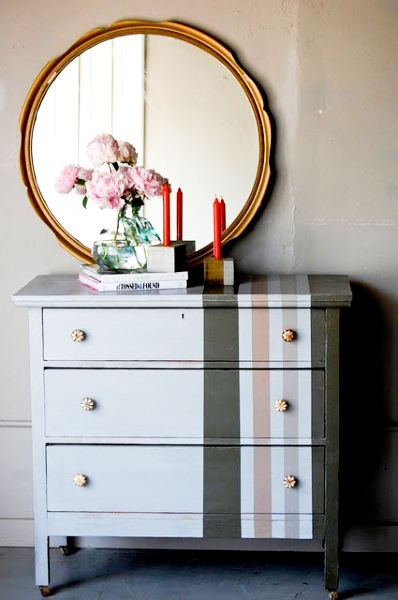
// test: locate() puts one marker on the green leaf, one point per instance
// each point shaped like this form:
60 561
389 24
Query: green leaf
103 231
80 181
115 166
84 202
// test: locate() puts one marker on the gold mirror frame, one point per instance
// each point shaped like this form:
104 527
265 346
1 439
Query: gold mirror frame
121 28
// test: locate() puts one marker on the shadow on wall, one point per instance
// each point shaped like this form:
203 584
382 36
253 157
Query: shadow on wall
368 440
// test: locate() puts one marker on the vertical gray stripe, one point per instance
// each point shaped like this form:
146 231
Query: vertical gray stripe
221 499
288 285
221 333
318 324
221 406
221 478
317 334
318 403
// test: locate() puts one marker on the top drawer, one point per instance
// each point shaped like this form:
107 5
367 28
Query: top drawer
192 334
123 334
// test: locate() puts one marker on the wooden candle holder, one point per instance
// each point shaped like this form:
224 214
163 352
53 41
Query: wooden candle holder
218 272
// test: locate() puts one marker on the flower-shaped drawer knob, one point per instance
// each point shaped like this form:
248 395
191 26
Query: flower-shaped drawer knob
281 405
77 335
80 480
87 404
288 335
289 481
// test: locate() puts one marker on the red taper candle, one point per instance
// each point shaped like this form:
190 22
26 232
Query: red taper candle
222 214
166 215
217 230
179 214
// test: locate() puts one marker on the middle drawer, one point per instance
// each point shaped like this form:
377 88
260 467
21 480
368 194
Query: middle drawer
194 404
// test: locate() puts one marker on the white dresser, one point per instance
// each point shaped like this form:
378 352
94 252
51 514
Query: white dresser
186 413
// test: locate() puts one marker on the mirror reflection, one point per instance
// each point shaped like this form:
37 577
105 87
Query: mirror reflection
181 108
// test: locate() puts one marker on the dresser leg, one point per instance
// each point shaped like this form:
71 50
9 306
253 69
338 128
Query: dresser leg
331 565
42 562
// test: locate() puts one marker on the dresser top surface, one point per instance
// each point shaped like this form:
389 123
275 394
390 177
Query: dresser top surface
271 291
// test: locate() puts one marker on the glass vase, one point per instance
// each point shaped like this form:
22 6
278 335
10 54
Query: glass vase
126 248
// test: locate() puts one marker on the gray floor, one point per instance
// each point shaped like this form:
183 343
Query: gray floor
103 574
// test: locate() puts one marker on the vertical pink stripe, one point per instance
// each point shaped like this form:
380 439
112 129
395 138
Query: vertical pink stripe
260 324
261 416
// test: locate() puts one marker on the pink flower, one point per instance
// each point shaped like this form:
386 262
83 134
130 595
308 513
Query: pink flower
67 179
148 183
106 189
82 175
127 153
103 149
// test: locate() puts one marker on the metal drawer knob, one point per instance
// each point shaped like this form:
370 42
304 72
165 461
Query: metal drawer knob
289 481
281 405
288 335
80 480
77 335
87 404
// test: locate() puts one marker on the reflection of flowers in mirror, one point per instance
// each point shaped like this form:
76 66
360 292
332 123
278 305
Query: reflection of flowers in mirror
125 183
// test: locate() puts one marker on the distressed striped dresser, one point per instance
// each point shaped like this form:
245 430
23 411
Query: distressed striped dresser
197 413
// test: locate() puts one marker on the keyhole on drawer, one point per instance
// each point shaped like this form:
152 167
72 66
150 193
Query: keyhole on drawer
182 316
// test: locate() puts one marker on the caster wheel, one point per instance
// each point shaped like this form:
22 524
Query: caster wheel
45 590
334 595
64 550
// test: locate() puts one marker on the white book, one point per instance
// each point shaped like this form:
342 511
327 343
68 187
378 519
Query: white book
131 286
116 277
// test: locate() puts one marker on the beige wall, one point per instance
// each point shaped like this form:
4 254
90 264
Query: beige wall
329 71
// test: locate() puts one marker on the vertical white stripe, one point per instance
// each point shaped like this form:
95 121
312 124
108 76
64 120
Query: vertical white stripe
303 290
247 491
277 419
246 404
245 334
275 335
278 490
246 415
275 318
304 332
305 490
305 408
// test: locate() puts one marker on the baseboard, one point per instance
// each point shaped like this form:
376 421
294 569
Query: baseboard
16 532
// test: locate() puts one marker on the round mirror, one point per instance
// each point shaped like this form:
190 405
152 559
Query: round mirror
179 98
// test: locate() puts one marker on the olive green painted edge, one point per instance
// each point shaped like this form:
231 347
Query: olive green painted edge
331 565
318 403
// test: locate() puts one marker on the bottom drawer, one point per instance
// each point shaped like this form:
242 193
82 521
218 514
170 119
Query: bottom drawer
204 480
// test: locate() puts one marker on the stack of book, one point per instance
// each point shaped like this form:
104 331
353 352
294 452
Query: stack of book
113 281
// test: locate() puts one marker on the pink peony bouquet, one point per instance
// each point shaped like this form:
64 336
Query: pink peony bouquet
123 184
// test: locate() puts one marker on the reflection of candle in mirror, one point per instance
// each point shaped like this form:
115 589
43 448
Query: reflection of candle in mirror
217 230
179 214
222 214
166 215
